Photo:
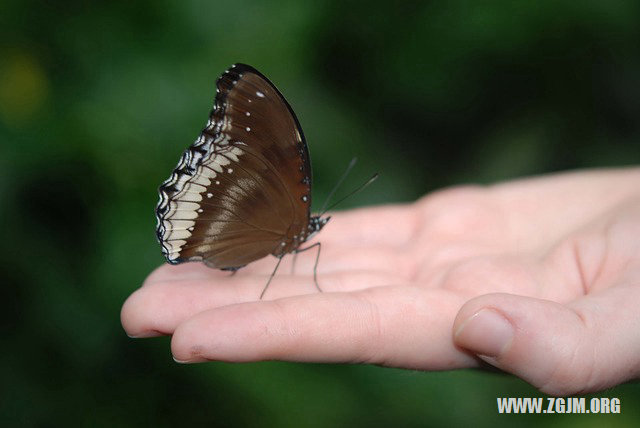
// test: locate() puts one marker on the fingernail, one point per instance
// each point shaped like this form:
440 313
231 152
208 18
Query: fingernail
181 361
486 333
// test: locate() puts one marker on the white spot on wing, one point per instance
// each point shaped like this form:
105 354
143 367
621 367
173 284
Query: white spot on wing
236 151
187 206
188 215
201 180
180 234
260 94
214 165
190 196
221 160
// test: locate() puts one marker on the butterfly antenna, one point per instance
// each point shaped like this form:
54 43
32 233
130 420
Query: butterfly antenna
359 188
338 184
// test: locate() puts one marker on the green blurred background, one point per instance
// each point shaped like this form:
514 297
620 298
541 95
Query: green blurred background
98 100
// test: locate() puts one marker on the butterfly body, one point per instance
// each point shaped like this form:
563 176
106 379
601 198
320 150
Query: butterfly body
242 190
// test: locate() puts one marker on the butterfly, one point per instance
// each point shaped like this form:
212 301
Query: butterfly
242 190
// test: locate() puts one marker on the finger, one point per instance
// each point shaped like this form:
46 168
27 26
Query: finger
160 306
395 326
588 346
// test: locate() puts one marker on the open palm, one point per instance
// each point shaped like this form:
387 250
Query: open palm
538 277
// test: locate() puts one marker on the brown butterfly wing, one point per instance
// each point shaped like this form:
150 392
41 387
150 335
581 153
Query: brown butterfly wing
242 190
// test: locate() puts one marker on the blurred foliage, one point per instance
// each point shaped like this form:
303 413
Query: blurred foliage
98 99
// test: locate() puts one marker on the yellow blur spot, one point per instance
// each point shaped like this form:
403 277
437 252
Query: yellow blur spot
24 88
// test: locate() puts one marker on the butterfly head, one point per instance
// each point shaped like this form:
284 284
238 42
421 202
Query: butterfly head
316 223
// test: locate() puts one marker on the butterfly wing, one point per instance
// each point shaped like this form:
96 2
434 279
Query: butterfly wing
242 190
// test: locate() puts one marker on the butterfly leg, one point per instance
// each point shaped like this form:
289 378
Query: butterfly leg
315 266
264 290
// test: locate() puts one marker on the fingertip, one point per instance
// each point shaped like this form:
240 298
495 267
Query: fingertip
183 348
127 317
185 352
237 332
135 319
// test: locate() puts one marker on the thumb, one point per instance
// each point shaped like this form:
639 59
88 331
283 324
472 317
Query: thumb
588 345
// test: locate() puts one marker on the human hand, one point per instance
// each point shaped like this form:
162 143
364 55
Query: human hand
537 277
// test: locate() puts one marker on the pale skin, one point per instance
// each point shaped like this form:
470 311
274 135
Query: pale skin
538 277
